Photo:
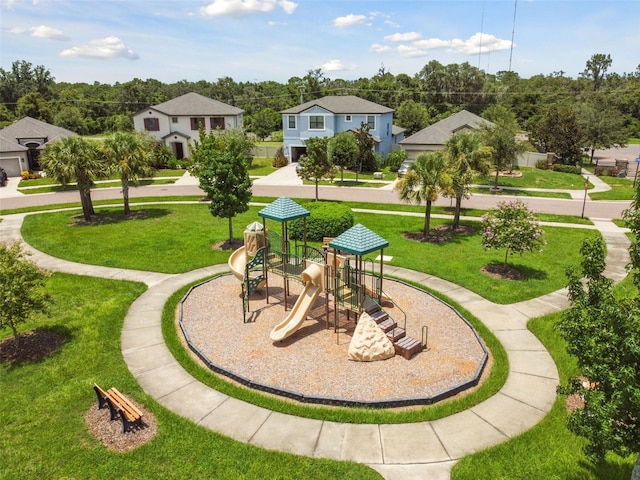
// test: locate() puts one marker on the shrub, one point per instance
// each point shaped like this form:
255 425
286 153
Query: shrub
24 174
542 164
277 136
559 167
395 159
327 219
279 160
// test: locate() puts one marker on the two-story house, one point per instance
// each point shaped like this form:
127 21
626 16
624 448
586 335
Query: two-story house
177 122
330 115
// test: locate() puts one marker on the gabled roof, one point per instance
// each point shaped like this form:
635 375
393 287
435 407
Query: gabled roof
194 104
341 104
358 240
440 132
28 127
396 130
283 210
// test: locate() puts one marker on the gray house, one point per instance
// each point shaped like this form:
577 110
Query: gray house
177 122
330 115
23 140
434 137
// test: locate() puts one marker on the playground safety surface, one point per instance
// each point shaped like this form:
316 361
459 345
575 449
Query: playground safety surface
312 364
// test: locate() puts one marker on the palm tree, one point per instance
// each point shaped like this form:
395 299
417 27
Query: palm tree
468 156
75 158
426 178
130 157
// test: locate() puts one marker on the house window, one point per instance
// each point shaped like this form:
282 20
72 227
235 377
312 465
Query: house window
174 119
316 122
292 122
197 122
151 124
347 118
217 123
371 121
387 129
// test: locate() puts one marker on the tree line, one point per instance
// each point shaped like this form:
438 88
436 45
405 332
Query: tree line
429 95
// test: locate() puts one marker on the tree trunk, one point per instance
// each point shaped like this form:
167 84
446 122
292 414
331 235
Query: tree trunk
230 230
316 189
427 218
635 474
16 336
125 194
85 200
342 174
506 256
495 184
456 215
591 159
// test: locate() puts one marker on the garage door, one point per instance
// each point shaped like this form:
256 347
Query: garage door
11 166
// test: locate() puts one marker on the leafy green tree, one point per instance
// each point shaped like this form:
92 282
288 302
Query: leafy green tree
266 121
501 138
71 118
221 162
412 116
601 332
21 288
343 151
559 132
366 145
75 158
316 164
24 78
426 178
34 105
128 155
603 126
511 226
468 157
596 69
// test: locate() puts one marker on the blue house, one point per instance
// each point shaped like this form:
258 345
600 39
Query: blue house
330 115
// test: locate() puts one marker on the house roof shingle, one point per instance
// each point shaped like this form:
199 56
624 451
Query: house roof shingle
439 132
195 104
29 127
341 104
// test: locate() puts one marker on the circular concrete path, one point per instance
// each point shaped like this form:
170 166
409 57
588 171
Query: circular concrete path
404 451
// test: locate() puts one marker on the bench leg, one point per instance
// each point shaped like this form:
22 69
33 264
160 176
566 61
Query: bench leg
102 400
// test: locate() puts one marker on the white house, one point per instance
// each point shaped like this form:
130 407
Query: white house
176 122
23 140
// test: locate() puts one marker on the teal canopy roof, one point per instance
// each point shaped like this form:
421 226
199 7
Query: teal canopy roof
283 210
359 240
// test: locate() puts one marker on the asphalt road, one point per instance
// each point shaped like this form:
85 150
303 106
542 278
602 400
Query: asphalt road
599 209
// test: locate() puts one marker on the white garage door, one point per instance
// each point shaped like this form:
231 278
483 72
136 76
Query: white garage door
11 166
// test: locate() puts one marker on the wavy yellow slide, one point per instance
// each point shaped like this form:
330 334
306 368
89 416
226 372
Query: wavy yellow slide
312 275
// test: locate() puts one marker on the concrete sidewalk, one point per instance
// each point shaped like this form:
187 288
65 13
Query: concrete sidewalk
403 451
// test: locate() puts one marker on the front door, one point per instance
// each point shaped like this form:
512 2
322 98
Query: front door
178 150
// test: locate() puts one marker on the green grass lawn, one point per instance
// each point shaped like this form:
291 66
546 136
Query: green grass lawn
549 450
178 238
44 181
537 178
621 189
521 193
261 166
43 433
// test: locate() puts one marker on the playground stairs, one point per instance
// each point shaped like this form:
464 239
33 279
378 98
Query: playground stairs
405 346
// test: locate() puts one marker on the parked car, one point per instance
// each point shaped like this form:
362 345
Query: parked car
3 177
404 168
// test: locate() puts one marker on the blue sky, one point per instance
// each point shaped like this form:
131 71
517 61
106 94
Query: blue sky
254 40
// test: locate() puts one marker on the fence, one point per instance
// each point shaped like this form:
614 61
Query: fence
264 151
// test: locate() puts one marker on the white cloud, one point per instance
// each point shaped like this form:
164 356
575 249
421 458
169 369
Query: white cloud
50 33
403 37
471 46
377 48
287 6
218 8
336 66
391 23
102 49
410 51
348 20
17 30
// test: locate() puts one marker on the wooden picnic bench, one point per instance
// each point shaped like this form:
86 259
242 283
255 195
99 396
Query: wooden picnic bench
119 405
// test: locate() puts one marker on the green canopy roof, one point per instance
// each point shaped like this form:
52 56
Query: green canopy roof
283 210
359 240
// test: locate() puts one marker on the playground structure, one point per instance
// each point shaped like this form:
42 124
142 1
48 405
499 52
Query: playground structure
339 270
